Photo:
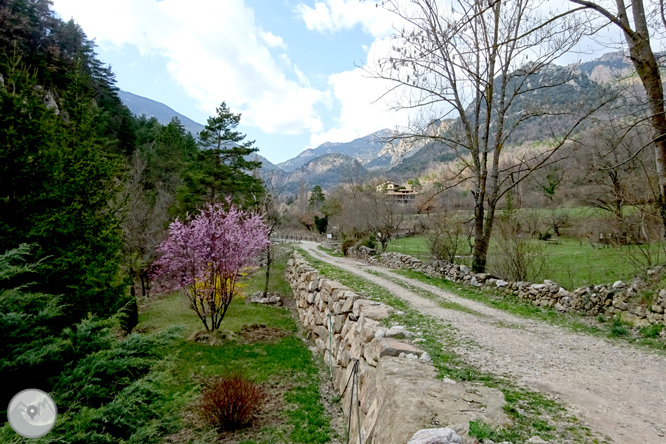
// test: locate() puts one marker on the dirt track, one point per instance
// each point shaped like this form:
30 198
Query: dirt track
620 390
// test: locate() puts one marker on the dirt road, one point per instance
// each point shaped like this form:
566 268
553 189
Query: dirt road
620 390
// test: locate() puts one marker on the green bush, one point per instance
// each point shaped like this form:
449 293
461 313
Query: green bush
102 385
128 314
369 241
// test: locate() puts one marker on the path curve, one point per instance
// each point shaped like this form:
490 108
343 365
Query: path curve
619 389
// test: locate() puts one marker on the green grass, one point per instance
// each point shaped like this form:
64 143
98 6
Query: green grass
573 264
330 252
285 365
416 246
569 262
532 413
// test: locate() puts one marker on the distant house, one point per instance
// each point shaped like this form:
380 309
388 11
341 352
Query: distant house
402 194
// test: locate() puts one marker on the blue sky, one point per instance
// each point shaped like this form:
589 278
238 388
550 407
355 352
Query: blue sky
293 68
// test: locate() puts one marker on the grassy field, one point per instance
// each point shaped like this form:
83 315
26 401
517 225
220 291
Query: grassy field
569 262
278 360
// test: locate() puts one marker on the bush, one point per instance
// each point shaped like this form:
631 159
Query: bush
446 237
129 314
370 242
518 257
346 245
230 402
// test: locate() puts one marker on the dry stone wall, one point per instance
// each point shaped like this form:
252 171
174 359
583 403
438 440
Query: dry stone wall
376 367
616 299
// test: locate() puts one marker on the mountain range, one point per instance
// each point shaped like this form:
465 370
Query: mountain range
382 152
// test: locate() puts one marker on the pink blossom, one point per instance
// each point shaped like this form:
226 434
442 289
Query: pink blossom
206 254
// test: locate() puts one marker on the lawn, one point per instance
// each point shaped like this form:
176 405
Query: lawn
280 361
416 246
569 262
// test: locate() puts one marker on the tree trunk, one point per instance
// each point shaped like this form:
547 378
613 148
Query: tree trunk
142 276
132 289
480 243
268 271
648 70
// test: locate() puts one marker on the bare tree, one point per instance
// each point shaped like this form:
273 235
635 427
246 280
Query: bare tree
477 63
273 213
633 21
361 210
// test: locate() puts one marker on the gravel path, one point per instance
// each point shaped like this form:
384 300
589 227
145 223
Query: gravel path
618 389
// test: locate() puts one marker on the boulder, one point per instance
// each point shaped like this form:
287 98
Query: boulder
398 332
436 436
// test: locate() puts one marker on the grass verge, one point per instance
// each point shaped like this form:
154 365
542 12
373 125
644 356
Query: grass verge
532 413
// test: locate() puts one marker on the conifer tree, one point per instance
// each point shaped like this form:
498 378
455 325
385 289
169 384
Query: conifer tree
221 169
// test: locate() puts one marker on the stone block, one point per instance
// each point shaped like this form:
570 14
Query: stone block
330 286
349 324
338 322
371 309
383 347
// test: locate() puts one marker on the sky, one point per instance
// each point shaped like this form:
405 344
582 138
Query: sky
293 68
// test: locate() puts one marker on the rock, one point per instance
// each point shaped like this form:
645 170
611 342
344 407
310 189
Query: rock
436 436
464 269
483 277
621 306
372 310
390 347
501 284
398 332
662 296
380 333
618 285
270 300
425 357
408 356
536 440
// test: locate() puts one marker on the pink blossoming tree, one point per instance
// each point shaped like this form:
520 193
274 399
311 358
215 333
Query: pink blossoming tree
205 255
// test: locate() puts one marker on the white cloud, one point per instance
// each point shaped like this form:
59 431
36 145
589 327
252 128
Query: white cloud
274 41
216 51
329 16
365 102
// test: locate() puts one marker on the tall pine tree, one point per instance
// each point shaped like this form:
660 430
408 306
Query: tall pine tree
221 169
